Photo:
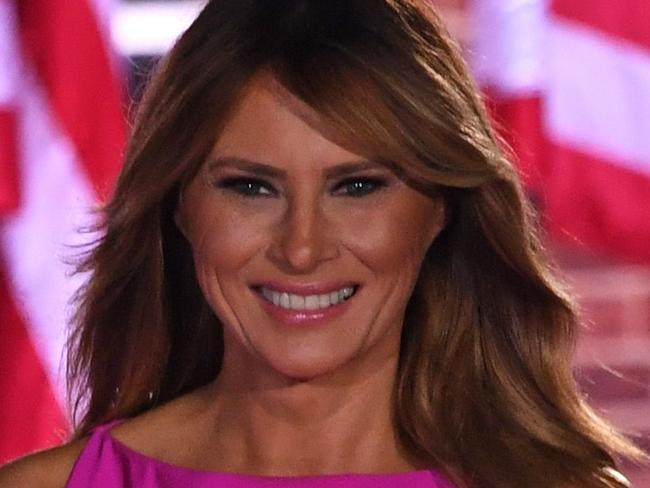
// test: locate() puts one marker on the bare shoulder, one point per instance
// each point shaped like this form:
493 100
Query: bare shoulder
48 469
170 420
158 433
164 431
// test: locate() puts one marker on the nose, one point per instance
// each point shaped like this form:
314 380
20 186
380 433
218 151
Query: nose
304 238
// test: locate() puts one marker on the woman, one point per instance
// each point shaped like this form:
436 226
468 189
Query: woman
318 269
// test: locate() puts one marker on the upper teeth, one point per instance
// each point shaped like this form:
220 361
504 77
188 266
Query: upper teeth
311 302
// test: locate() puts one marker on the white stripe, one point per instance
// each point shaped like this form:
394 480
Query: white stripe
623 350
9 57
509 43
104 13
151 28
598 96
631 416
55 199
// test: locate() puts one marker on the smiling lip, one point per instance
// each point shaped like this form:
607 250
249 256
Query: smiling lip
305 317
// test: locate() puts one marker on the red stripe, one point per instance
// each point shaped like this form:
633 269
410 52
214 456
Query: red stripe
9 175
519 121
30 418
625 19
63 40
600 203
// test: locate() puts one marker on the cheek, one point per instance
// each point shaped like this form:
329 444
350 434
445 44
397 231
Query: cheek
394 236
224 238
223 241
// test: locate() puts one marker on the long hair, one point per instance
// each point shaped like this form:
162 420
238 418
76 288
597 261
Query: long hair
485 390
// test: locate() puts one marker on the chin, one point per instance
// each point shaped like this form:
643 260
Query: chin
308 369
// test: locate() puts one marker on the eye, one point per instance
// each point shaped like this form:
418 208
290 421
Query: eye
359 187
248 187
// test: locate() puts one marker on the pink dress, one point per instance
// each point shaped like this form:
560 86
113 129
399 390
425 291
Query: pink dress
106 462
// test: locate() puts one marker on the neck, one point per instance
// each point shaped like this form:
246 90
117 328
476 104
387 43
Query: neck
336 423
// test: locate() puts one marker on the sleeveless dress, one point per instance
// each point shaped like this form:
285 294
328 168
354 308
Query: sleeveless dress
107 463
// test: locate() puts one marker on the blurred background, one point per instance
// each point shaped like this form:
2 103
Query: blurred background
567 82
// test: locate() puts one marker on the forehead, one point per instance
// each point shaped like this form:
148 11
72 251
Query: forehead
271 124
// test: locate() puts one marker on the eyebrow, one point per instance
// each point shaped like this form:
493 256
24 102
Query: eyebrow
264 169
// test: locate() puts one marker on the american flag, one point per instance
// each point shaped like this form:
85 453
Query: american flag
571 84
61 137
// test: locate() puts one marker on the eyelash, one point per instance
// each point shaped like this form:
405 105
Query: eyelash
372 185
256 188
247 187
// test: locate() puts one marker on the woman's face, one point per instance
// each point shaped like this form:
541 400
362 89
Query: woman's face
307 252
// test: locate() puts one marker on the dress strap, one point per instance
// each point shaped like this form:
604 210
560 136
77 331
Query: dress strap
97 461
105 427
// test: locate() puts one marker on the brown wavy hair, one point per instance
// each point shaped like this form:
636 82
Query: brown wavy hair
485 389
